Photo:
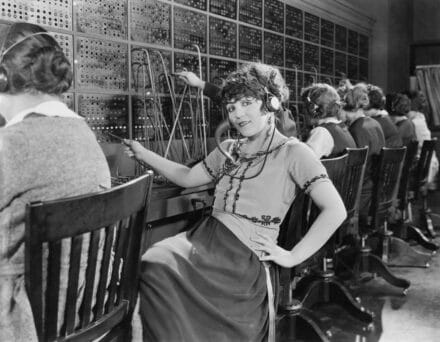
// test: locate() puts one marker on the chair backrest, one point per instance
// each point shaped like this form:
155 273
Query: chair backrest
355 170
386 181
423 164
82 261
407 172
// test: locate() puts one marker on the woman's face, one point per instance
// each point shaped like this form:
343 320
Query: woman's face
247 116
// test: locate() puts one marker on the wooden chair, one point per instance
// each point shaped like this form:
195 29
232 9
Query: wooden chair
386 182
99 237
419 188
401 253
293 319
322 286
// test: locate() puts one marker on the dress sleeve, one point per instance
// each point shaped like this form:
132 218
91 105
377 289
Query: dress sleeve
213 91
214 161
305 168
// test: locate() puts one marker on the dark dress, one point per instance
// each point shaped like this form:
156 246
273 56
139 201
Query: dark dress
342 138
406 130
367 132
390 131
208 284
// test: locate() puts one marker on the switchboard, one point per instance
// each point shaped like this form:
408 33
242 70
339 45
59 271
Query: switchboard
274 15
189 28
151 22
125 54
226 8
222 37
251 11
250 43
273 49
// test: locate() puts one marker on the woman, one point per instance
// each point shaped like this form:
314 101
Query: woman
284 120
330 137
212 283
401 105
376 110
46 152
366 132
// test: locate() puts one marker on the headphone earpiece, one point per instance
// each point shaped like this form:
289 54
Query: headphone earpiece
272 103
4 85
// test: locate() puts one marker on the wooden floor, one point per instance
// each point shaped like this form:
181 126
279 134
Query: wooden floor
398 318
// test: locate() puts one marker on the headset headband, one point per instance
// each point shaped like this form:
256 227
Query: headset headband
20 41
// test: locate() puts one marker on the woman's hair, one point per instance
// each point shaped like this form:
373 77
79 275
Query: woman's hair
356 97
400 105
257 80
34 62
418 101
376 97
321 100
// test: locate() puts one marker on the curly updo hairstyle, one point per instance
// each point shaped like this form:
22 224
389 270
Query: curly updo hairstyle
400 105
376 97
256 80
32 62
321 100
356 97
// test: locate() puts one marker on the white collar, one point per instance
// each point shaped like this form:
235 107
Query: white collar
51 108
330 119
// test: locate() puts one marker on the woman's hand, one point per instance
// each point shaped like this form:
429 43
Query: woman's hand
134 149
191 79
273 252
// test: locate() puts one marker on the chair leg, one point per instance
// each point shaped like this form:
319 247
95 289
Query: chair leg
399 249
301 322
312 290
414 233
373 264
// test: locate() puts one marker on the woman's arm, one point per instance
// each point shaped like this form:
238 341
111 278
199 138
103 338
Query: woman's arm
177 173
332 214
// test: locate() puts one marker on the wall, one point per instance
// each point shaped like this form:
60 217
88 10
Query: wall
426 20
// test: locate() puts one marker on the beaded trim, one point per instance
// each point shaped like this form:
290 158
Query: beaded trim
265 220
314 179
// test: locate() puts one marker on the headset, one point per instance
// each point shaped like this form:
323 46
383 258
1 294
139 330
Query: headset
4 82
271 102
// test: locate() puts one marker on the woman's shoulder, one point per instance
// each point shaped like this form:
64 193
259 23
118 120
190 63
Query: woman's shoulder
295 146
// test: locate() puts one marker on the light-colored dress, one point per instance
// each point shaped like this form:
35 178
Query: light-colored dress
208 284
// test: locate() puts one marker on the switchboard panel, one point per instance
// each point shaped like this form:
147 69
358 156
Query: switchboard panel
184 61
250 43
340 38
340 63
353 42
327 61
199 4
294 22
311 57
311 28
52 13
363 46
105 17
101 64
226 8
222 37
352 67
151 22
251 12
273 49
327 33
294 81
147 64
219 69
274 15
363 69
294 53
105 113
189 29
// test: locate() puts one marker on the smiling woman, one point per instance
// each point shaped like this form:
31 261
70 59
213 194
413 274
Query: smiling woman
214 282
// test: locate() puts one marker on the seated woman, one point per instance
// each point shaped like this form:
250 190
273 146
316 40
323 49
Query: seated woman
417 116
284 120
46 152
376 110
330 137
366 132
212 283
401 105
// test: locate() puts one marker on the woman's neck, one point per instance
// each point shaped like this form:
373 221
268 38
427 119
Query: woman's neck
260 141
